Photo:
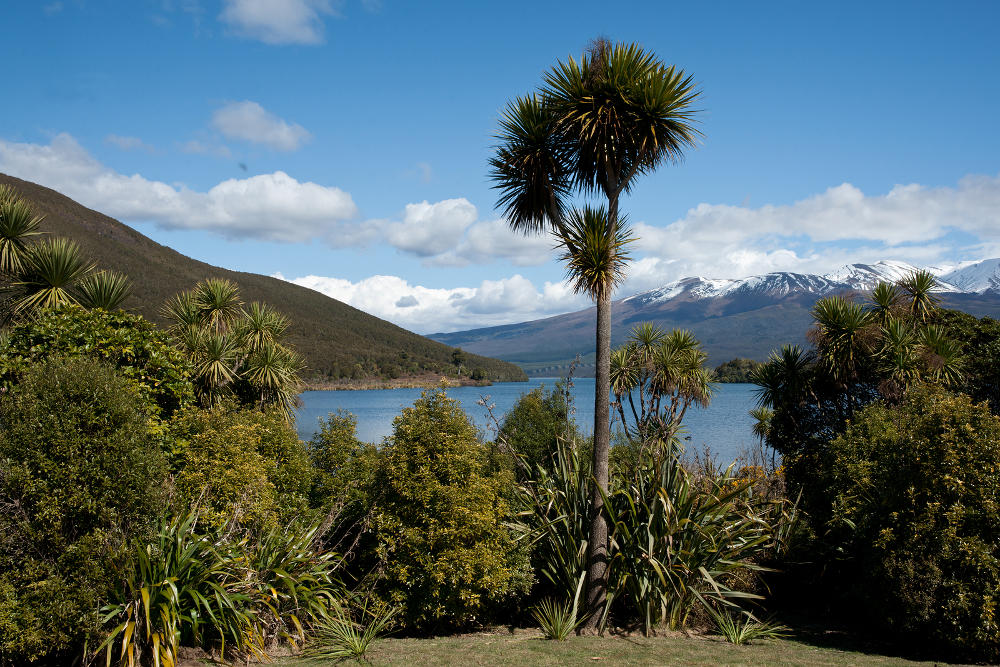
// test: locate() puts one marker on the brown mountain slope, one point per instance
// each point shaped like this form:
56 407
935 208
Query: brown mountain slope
337 341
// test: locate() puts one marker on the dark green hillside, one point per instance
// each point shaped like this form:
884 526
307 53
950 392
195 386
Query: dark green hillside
337 341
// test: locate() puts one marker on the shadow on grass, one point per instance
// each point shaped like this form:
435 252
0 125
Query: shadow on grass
817 631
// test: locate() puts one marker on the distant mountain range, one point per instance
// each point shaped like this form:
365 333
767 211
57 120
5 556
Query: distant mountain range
745 317
336 339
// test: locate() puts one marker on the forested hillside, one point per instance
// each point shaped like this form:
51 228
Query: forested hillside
337 340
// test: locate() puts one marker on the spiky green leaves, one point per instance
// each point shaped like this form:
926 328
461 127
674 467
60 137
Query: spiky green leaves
594 250
920 287
529 166
218 302
51 269
623 111
104 289
236 351
17 225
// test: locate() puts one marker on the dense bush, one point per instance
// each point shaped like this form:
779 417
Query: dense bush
445 552
916 491
192 585
342 464
127 342
530 428
79 476
239 465
980 338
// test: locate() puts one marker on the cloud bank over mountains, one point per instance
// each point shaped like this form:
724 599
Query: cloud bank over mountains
429 310
913 223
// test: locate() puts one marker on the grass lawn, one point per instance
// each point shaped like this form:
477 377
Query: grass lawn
528 648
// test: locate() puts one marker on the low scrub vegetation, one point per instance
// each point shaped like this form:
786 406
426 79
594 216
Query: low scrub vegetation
154 494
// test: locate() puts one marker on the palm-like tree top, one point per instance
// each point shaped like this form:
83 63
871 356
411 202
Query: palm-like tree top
594 249
18 224
593 127
529 166
52 268
621 112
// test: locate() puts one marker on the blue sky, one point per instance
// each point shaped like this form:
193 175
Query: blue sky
344 145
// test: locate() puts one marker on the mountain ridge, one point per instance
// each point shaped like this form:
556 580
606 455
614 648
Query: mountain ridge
745 317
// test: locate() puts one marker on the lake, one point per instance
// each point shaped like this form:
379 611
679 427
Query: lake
724 426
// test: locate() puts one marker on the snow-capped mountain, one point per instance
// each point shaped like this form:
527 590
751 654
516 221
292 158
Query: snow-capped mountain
973 277
745 317
969 277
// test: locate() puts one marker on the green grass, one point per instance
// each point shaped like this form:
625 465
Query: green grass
528 648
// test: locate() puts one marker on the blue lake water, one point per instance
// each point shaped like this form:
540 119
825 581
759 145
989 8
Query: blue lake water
724 426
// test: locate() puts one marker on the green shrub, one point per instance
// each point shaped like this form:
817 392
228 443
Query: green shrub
446 556
531 427
342 464
240 465
128 342
679 543
79 464
916 493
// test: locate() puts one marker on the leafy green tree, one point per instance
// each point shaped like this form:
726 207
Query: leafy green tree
595 126
445 552
237 466
916 506
533 426
134 346
862 352
735 370
80 474
343 464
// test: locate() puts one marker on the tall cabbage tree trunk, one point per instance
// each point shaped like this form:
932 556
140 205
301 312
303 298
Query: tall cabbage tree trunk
597 556
597 548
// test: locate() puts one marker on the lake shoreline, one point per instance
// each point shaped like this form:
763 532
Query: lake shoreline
418 382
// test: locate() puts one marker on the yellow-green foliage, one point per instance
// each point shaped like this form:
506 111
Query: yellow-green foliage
916 492
445 553
239 465
123 340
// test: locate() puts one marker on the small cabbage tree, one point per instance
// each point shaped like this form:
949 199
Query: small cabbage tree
237 350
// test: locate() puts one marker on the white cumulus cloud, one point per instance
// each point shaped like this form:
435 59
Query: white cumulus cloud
277 21
430 310
431 229
249 121
272 206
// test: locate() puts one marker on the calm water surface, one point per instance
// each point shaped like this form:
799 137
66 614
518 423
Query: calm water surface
724 427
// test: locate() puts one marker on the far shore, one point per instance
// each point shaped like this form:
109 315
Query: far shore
429 381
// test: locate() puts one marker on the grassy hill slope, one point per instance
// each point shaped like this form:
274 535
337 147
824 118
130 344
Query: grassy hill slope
337 341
